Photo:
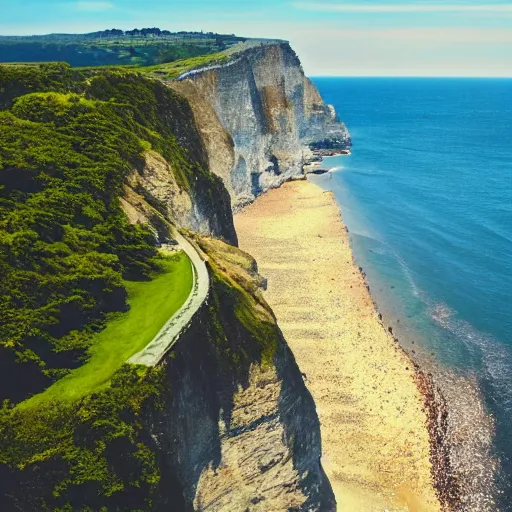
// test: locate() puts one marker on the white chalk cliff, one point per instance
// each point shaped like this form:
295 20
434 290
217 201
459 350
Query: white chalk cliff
256 114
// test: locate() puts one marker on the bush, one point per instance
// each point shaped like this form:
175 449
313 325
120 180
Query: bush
89 456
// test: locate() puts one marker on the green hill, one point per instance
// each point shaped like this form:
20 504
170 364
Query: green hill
143 47
81 288
68 139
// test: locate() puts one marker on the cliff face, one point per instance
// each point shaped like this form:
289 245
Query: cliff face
202 206
256 114
224 423
237 429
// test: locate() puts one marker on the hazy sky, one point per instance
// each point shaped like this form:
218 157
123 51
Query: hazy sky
353 37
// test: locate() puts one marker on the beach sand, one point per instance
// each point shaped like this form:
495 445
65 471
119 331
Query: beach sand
375 442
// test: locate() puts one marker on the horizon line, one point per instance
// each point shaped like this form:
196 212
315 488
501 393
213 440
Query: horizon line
497 77
401 8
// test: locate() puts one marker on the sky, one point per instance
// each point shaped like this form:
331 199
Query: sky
332 38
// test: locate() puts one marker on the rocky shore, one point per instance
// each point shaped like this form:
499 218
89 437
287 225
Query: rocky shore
313 159
445 481
319 154
381 418
446 484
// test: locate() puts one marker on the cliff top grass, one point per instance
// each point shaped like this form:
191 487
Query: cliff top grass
151 303
175 69
68 140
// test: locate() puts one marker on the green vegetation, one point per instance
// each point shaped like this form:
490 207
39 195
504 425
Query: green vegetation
238 298
175 69
91 455
71 266
97 454
113 47
83 435
151 303
17 80
66 247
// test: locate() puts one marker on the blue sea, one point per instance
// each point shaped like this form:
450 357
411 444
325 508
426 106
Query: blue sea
427 198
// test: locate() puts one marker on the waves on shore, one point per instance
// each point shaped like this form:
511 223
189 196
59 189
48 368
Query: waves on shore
477 456
495 357
470 432
471 426
434 210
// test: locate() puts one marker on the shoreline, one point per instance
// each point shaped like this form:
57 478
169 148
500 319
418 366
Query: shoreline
445 482
372 461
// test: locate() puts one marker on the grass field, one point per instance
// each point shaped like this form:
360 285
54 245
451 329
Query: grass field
112 50
174 69
152 303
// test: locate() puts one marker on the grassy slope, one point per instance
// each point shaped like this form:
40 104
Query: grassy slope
175 69
152 303
237 284
98 454
63 160
80 445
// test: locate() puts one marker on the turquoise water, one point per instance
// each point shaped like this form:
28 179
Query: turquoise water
427 197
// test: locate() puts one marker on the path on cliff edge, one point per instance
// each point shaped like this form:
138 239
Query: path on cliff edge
156 350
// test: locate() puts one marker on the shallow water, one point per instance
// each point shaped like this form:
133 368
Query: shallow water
427 197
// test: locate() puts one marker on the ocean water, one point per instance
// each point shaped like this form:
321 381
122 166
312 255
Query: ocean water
427 198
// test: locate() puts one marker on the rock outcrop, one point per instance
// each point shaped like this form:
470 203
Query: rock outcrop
256 114
202 206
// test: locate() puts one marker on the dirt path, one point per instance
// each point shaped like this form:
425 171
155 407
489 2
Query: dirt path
170 332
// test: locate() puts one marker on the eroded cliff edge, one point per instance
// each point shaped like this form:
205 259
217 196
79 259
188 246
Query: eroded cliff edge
239 429
224 423
257 114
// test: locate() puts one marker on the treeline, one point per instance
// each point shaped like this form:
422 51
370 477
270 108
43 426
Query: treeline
144 32
157 32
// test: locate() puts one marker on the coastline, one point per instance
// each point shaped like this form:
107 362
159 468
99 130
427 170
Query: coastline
382 442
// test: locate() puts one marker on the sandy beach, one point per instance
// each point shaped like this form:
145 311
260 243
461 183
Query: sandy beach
376 445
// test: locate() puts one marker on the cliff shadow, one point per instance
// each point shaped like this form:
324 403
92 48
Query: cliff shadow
302 431
232 335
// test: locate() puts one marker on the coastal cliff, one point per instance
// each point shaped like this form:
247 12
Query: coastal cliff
257 113
225 423
237 429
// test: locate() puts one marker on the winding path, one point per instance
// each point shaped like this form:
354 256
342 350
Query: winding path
156 350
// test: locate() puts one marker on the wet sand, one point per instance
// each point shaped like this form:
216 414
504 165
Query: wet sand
376 446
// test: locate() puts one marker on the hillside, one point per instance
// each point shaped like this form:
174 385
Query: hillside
65 156
98 166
